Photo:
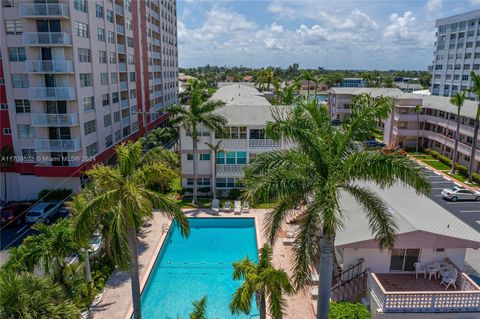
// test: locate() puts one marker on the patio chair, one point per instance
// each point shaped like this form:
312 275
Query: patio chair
432 270
245 208
450 279
215 206
445 271
288 241
227 206
420 269
237 207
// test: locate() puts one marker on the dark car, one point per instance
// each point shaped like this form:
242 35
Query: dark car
13 214
374 143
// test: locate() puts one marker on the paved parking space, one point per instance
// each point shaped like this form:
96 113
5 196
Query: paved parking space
467 211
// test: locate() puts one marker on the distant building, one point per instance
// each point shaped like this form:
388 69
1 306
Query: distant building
352 83
312 86
408 87
247 78
456 53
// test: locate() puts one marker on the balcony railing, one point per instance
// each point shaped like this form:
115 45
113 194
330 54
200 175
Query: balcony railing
38 10
53 66
156 41
157 68
47 119
119 9
233 143
124 85
48 145
46 38
121 48
266 143
122 67
124 104
157 81
120 29
52 93
230 168
125 121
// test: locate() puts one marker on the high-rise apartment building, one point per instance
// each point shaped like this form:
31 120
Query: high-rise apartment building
456 54
80 77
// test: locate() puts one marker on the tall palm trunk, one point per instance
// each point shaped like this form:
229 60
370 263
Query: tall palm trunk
134 277
326 274
88 272
214 176
418 135
455 147
195 146
474 144
263 306
308 88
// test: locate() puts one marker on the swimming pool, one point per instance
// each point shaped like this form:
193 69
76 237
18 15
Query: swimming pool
186 269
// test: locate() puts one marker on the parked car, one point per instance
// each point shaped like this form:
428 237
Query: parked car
460 193
374 143
63 210
42 212
13 214
96 245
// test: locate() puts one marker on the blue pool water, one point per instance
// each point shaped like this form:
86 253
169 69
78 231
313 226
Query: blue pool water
189 268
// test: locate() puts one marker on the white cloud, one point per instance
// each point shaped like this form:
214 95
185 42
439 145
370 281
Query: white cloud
405 31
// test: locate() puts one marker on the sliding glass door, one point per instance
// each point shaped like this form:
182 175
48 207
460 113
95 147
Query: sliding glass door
404 259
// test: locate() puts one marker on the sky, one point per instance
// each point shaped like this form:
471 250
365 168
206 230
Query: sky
336 34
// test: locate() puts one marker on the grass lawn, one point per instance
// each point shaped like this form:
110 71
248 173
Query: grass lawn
458 177
436 164
202 202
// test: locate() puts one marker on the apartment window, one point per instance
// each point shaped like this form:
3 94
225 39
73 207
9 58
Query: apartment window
86 79
465 77
116 117
118 135
231 158
114 77
111 37
466 66
3 106
84 55
469 45
128 24
468 55
102 56
7 131
105 99
459 45
204 157
107 120
88 103
234 132
404 259
132 77
470 33
80 5
92 149
81 29
128 6
29 155
103 78
113 57
458 66
115 97
89 127
98 11
257 134
200 181
13 26
17 54
226 183
110 16
438 67
22 106
101 34
131 59
135 126
25 130
130 42
449 67
476 67
133 93
20 81
9 3
108 140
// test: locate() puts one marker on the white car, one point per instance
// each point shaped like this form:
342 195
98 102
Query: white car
460 193
96 245
42 212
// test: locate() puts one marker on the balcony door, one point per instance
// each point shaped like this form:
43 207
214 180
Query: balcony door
47 54
48 26
404 259
59 158
59 133
56 107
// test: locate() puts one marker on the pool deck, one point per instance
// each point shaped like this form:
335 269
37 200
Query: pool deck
115 303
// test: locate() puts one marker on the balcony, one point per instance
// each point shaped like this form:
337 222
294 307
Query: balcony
156 41
48 145
120 29
121 48
230 169
157 81
233 143
125 121
46 38
124 85
47 119
157 68
119 9
124 104
54 66
51 10
52 93
122 67
403 293
266 143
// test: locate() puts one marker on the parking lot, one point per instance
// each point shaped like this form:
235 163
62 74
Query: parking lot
467 211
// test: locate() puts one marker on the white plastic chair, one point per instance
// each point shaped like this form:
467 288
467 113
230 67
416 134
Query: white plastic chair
227 206
215 206
420 269
450 279
237 207
432 270
245 208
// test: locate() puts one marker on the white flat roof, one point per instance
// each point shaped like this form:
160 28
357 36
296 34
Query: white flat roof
240 94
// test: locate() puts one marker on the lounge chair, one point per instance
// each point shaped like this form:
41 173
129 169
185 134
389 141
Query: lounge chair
215 206
237 207
450 279
314 292
227 206
245 208
288 241
420 269
314 278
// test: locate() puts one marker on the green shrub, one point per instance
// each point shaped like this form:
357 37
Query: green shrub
476 178
186 190
54 194
428 151
204 190
347 310
234 193
462 170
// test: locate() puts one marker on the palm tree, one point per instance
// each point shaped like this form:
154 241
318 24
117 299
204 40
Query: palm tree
7 160
475 89
215 148
265 78
457 100
158 136
286 95
326 163
308 76
198 113
26 295
199 309
128 200
317 80
418 109
263 281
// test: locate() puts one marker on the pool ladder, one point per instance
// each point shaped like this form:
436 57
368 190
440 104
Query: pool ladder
165 228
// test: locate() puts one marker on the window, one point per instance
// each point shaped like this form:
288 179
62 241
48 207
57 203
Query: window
469 45
133 93
200 181
29 155
88 103
118 135
109 15
131 59
128 5
404 259
80 5
226 182
98 11
130 42
14 26
204 157
128 24
101 34
132 77
102 56
115 97
465 77
113 57
114 77
232 158
105 99
92 149
234 132
7 131
116 117
17 54
22 106
108 140
103 78
84 55
9 3
107 120
189 157
25 130
86 79
89 127
111 37
257 134
3 106
20 81
81 29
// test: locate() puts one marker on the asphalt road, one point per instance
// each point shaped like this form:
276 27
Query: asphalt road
467 211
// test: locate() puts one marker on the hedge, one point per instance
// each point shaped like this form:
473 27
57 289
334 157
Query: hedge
462 170
347 310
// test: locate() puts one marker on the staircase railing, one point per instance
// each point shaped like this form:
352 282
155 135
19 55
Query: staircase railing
349 283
